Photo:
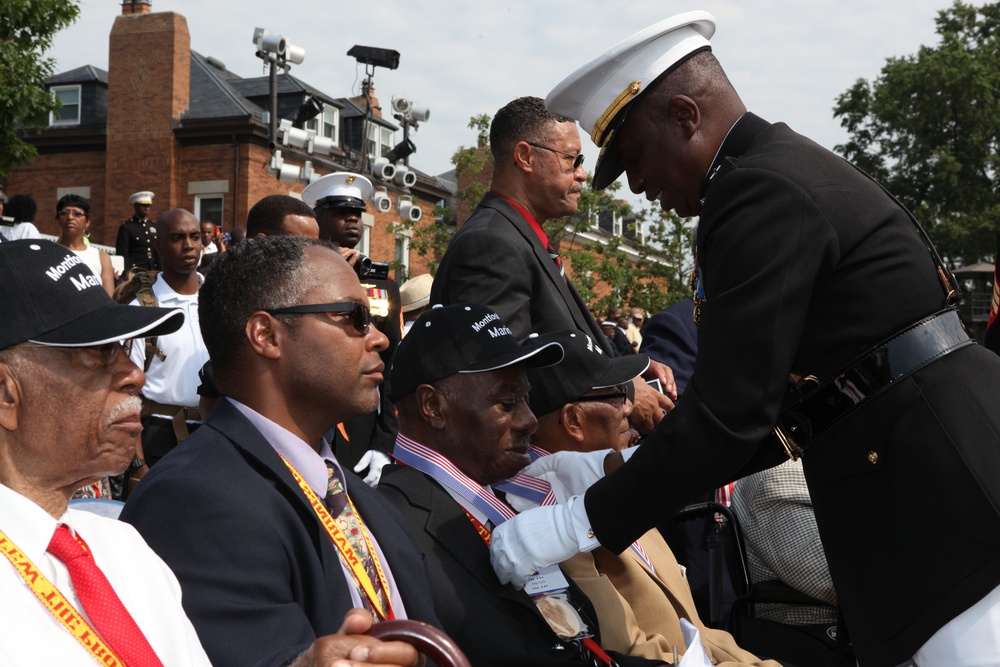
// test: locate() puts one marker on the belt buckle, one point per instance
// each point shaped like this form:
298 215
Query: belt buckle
791 448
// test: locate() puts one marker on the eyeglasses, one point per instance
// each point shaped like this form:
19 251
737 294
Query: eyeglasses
72 213
617 397
108 353
577 159
361 317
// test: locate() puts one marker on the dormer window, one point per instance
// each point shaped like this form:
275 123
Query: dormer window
69 112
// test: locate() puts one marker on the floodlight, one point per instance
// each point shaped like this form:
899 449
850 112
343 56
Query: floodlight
311 108
408 210
381 200
383 169
401 151
404 176
372 55
401 105
420 114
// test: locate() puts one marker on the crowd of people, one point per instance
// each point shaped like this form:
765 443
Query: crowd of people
306 450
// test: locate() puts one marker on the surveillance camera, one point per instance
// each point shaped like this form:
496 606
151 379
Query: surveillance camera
383 169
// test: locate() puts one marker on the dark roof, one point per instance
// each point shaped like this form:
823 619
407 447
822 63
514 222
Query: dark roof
287 84
79 75
351 110
213 93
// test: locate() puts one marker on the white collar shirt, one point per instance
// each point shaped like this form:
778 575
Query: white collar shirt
143 582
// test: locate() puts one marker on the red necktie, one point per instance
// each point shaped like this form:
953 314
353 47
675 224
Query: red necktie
106 612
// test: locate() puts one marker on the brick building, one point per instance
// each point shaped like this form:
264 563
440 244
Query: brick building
167 119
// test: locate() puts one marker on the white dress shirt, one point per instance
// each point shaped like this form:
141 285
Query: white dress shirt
32 636
174 381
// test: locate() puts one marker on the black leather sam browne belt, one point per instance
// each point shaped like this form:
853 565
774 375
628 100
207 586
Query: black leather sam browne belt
874 372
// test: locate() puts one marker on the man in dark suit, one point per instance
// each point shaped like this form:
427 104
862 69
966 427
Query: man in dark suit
460 386
804 264
502 258
250 511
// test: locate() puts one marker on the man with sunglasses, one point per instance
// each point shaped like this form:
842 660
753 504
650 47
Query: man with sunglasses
640 596
272 540
76 587
502 258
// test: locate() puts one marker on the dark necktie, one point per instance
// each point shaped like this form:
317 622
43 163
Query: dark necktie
106 612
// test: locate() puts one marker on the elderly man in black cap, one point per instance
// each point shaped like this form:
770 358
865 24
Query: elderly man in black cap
460 386
79 586
827 332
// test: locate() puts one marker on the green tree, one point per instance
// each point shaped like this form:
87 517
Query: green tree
27 28
927 127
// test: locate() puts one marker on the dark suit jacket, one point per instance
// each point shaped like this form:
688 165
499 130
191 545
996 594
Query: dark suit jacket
807 263
493 623
257 571
496 260
671 338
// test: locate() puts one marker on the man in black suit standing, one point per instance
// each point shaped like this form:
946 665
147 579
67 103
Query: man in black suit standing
827 332
502 258
261 524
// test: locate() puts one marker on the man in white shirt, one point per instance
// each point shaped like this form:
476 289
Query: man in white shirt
170 397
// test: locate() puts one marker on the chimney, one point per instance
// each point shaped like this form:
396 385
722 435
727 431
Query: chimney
369 89
149 85
136 6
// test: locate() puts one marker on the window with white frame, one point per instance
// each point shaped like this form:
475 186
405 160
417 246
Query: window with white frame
208 208
69 112
325 124
366 235
379 140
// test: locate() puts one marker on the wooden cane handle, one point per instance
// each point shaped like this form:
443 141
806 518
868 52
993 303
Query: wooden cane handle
427 639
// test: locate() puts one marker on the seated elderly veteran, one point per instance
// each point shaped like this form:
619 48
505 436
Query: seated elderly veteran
459 383
79 588
251 511
582 405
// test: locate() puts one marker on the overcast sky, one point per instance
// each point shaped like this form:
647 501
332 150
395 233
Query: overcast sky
789 59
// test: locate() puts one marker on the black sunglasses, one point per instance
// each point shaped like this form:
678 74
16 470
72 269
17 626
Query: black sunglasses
361 317
577 159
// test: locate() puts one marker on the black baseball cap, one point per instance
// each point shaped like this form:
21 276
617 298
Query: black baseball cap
52 298
461 338
584 367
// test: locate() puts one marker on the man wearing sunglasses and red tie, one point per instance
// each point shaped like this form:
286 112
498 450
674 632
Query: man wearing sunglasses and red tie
502 258
272 540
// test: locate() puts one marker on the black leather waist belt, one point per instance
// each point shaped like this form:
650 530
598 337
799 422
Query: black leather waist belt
869 375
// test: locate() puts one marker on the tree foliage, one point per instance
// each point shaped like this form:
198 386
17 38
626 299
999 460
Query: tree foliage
27 28
928 126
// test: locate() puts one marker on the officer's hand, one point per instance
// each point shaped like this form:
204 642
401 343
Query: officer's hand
359 649
539 537
373 460
648 407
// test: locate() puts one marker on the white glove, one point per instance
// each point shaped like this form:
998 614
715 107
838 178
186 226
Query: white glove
569 473
374 461
539 537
